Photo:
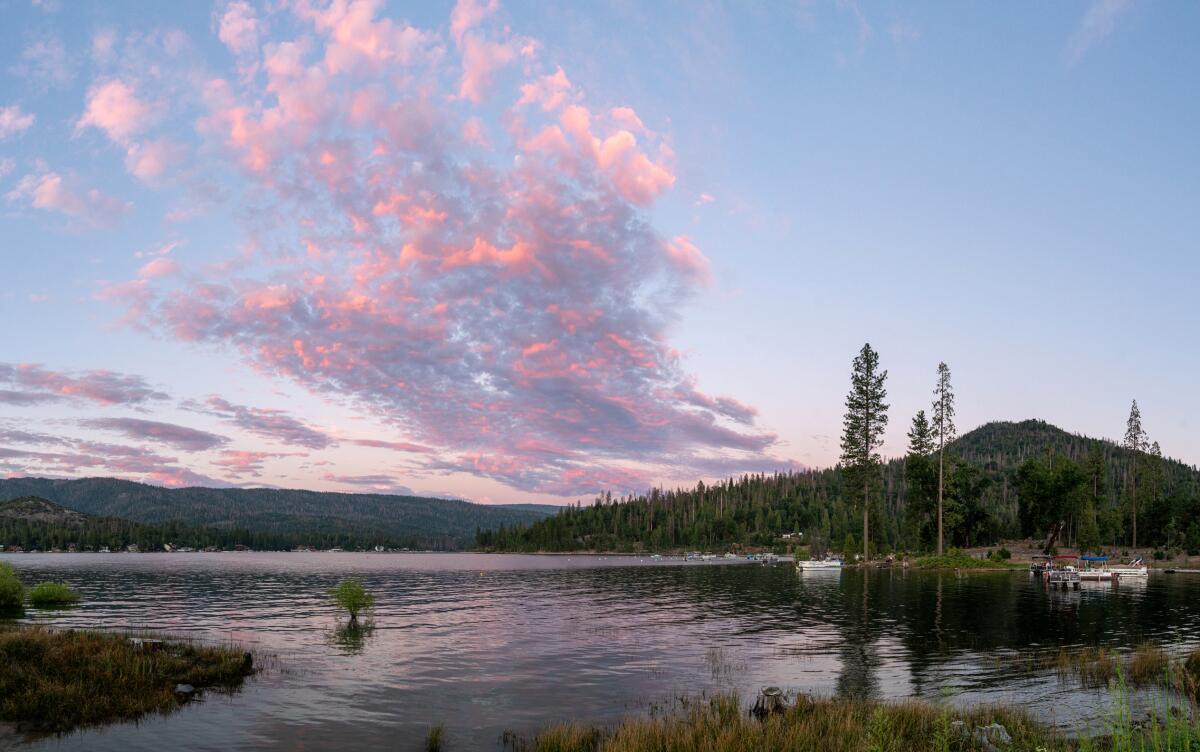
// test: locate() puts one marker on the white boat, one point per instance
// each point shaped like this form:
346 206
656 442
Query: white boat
1135 568
819 564
1095 568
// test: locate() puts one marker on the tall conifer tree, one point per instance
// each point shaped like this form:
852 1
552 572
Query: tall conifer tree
943 431
1135 442
862 434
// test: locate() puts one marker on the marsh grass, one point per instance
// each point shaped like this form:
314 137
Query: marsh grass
720 664
435 741
55 681
721 724
52 594
1149 665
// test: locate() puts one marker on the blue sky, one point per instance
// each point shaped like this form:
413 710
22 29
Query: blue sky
1011 192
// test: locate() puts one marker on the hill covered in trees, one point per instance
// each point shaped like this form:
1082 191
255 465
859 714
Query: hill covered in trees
279 518
1003 480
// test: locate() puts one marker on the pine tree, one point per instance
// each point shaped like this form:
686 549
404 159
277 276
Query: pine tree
920 436
1135 442
918 473
944 432
866 418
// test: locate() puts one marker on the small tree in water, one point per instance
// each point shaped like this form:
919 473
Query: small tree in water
352 596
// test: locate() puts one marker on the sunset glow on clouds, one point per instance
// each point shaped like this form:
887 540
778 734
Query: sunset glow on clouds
458 244
515 252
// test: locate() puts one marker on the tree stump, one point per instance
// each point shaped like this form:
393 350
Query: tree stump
770 701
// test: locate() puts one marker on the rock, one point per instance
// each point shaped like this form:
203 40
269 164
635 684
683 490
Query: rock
991 738
770 700
185 690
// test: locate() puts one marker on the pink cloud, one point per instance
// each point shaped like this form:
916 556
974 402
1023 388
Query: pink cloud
66 456
241 463
239 28
14 120
481 59
398 446
151 160
510 318
114 107
687 258
180 437
549 92
268 423
50 191
356 37
100 386
468 14
159 267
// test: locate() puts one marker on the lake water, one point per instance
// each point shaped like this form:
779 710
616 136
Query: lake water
488 643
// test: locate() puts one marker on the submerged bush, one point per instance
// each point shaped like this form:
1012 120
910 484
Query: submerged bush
52 594
12 594
352 596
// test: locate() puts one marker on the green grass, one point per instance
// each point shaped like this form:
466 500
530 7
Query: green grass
435 741
722 724
955 559
55 681
52 594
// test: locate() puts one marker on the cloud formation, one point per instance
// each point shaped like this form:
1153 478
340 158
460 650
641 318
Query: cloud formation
180 437
267 423
50 191
14 120
494 291
30 383
1097 24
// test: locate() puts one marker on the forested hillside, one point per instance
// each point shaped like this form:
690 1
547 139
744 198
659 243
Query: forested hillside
1084 481
278 514
31 523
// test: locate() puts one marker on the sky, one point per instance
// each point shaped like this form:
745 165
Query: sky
511 252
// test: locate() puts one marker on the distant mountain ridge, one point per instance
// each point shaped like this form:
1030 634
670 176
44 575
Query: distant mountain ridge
412 521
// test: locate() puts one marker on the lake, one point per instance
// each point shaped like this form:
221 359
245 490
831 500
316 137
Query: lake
488 643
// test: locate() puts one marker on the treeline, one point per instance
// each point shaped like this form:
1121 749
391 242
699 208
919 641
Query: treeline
117 534
1003 480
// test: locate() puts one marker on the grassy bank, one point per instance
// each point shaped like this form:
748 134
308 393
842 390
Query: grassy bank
55 681
954 559
722 724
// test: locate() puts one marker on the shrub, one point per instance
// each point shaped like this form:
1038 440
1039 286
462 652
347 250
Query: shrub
12 594
52 594
352 596
434 741
1003 554
1159 555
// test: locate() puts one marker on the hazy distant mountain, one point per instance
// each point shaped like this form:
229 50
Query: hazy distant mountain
401 520
543 509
